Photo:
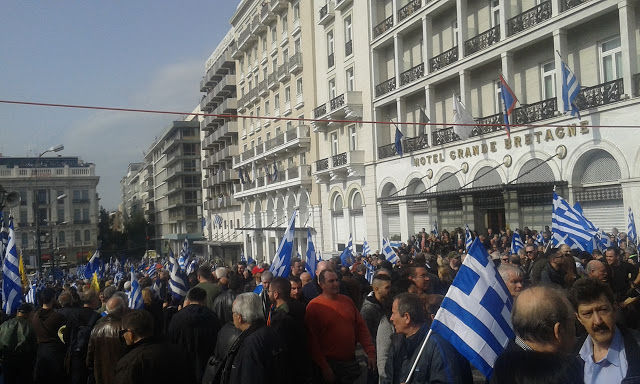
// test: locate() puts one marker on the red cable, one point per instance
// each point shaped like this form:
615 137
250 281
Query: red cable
30 103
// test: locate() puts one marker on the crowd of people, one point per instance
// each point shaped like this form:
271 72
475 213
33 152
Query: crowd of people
575 317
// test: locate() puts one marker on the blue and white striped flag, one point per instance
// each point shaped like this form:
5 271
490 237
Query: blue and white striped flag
370 271
217 220
31 296
178 283
570 227
570 90
4 237
468 240
184 255
281 265
312 259
11 284
475 315
117 277
157 289
135 296
152 270
632 235
435 231
516 243
242 257
366 249
388 252
539 239
193 265
346 257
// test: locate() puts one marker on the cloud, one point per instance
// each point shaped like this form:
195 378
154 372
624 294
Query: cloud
112 140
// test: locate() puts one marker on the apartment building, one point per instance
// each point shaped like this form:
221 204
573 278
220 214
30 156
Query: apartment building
345 172
223 239
137 193
176 197
275 67
63 189
422 52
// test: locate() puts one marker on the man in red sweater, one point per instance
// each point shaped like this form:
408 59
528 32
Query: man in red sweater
335 325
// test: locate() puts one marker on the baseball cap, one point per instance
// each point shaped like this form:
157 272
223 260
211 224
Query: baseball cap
257 269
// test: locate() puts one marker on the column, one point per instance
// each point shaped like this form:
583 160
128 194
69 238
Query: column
508 73
627 15
407 131
559 45
346 215
398 57
394 10
465 89
505 15
406 223
430 110
511 209
427 44
461 12
433 214
556 7
468 213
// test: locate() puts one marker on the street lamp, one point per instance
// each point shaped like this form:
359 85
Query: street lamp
56 148
54 232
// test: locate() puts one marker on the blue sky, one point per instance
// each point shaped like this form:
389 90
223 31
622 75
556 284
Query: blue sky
135 54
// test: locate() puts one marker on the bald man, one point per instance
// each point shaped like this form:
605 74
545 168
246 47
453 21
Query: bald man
311 290
305 278
597 270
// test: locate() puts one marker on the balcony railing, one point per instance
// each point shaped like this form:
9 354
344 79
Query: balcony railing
339 160
383 27
386 87
331 60
482 41
337 102
324 11
444 136
293 173
322 165
600 94
541 110
348 48
295 62
490 124
408 145
283 71
636 84
320 111
529 18
409 9
568 4
412 74
442 60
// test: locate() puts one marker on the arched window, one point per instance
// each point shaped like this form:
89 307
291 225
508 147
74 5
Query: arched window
487 177
538 170
356 203
338 205
87 235
77 237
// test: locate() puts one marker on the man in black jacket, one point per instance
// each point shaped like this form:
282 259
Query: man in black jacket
150 360
553 272
257 356
440 362
195 330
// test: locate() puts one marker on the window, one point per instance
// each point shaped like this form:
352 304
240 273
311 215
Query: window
299 86
334 143
87 235
287 95
25 240
350 80
330 43
189 149
548 80
60 215
352 138
348 32
264 45
274 64
264 73
454 28
498 99
289 125
297 46
285 55
276 99
332 89
77 237
23 217
495 12
268 136
303 158
61 238
274 35
285 26
611 59
296 11
85 214
266 108
77 214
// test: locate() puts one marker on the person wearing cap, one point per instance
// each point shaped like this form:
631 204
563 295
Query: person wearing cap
256 272
18 347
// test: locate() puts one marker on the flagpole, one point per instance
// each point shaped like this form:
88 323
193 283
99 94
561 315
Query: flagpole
415 363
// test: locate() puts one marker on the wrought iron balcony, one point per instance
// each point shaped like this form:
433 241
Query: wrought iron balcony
444 59
600 94
345 106
326 13
339 160
412 74
283 72
409 145
262 88
295 63
482 41
409 9
348 48
320 111
541 110
322 165
636 84
340 166
272 80
386 87
341 4
529 18
331 60
444 136
490 124
568 4
383 27
337 102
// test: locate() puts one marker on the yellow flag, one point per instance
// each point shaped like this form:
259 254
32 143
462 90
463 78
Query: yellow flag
23 273
94 282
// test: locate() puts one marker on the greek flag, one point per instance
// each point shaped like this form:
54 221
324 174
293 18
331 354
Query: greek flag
388 252
539 239
11 285
152 270
312 258
242 258
177 280
217 219
569 226
366 249
193 265
80 271
631 229
347 253
157 289
275 171
570 90
475 315
117 277
398 141
4 237
31 296
370 271
93 265
516 243
184 255
468 240
135 296
435 231
281 265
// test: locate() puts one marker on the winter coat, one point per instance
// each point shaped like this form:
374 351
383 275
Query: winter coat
550 275
440 362
49 364
222 306
372 312
152 361
383 344
293 334
18 348
105 349
194 329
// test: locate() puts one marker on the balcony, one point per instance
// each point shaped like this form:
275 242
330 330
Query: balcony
296 27
412 74
228 107
272 81
299 101
210 101
331 60
243 39
218 202
340 167
386 87
266 16
283 72
225 132
529 18
348 48
278 6
287 178
288 141
383 27
263 90
482 41
223 177
320 111
565 5
327 13
444 59
284 40
408 145
346 106
257 26
225 86
444 136
601 94
225 154
295 63
409 9
342 4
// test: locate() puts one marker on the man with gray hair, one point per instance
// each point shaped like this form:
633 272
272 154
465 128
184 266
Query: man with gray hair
513 278
257 356
221 272
597 270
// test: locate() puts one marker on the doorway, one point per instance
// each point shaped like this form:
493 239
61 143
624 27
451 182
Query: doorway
495 219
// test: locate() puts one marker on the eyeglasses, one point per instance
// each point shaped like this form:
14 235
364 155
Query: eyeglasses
530 251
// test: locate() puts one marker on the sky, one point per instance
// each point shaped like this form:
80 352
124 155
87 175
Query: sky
134 54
